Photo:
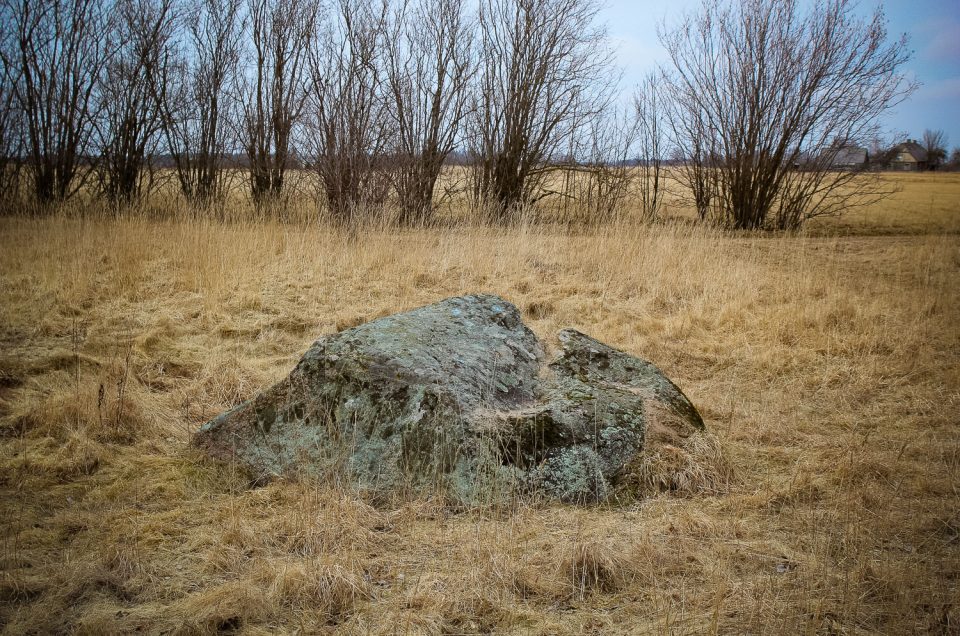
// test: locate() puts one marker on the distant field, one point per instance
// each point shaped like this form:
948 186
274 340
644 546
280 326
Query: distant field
923 202
827 363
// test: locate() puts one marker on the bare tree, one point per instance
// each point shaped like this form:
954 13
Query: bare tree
651 144
11 147
129 120
349 125
429 69
935 143
11 128
59 51
954 162
546 72
693 152
769 90
274 87
191 85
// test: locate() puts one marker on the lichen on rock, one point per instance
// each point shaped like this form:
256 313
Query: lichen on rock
457 396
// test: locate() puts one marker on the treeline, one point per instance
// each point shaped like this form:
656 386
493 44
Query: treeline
373 98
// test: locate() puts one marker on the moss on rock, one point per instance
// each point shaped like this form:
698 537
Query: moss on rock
456 396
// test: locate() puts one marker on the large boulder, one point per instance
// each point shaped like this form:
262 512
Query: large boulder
457 396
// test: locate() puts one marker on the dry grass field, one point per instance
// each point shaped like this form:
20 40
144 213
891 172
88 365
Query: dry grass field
827 364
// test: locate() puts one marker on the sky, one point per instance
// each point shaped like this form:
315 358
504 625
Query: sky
933 27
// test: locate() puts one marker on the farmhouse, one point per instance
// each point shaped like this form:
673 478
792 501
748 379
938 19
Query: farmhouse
849 158
909 155
833 158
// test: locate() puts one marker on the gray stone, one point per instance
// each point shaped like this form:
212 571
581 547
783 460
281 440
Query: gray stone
457 396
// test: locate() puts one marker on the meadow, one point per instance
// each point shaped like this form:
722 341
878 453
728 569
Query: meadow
827 364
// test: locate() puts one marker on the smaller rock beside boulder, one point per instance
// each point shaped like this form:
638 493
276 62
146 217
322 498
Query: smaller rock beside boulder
458 396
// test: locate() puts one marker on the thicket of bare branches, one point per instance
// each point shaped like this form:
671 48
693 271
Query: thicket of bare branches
953 162
765 93
59 49
546 72
595 180
935 143
349 129
374 96
11 141
273 88
191 83
693 152
651 145
429 70
127 137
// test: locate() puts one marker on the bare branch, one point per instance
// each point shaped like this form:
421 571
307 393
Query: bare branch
760 88
546 72
60 49
349 124
430 66
129 122
191 84
273 87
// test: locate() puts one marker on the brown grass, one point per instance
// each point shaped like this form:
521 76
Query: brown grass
827 368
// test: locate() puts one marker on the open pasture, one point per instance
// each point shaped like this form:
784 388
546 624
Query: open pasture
827 364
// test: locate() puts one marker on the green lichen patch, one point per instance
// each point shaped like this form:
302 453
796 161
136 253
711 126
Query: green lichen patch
455 396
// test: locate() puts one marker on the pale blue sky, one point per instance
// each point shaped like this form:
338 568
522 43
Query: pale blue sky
933 27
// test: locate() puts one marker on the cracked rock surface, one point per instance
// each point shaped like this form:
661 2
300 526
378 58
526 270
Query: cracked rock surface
457 396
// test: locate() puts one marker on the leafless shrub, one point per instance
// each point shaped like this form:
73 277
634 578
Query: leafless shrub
273 87
349 129
651 145
953 163
546 72
429 69
935 143
598 177
11 138
695 156
128 132
191 84
766 92
882 149
59 49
